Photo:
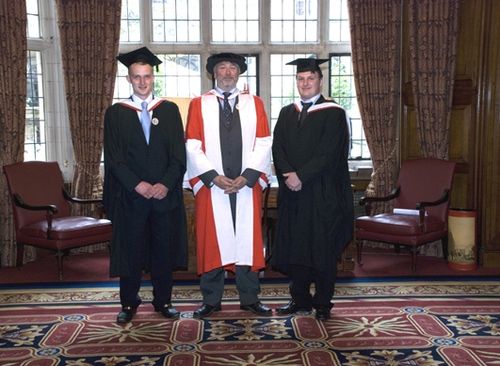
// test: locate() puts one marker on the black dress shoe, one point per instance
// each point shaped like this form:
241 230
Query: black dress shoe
323 313
257 308
292 308
126 314
168 311
205 310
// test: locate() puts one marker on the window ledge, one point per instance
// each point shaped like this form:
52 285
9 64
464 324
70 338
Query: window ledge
360 169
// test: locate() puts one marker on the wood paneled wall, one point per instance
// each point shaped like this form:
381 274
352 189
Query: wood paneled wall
475 121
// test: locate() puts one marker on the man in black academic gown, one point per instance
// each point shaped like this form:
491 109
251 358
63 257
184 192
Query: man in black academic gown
315 203
145 161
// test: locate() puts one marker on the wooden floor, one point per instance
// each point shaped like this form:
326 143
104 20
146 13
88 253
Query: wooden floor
95 267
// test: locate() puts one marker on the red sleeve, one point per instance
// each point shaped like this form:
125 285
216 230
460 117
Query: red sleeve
262 121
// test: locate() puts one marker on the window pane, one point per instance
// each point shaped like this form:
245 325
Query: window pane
130 30
217 30
182 32
283 86
228 9
194 31
300 31
311 31
241 31
134 31
34 143
229 31
339 21
159 30
33 19
235 21
248 80
182 10
294 21
342 90
170 31
288 31
179 75
276 31
176 21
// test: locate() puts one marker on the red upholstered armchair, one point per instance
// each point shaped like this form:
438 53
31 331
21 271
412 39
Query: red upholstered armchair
420 216
42 212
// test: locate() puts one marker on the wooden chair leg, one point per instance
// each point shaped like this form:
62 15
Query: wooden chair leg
414 259
59 257
20 255
359 249
444 242
270 238
346 261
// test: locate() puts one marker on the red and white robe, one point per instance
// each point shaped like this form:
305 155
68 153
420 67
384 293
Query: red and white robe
218 244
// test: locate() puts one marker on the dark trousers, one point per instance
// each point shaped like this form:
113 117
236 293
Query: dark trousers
247 284
301 279
143 224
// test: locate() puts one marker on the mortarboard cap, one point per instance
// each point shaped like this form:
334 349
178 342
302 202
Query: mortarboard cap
226 56
143 55
308 64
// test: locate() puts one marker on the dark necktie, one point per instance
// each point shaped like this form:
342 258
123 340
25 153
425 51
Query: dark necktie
303 113
228 115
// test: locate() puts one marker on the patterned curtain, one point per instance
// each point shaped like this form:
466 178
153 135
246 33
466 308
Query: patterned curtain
90 31
433 29
13 60
375 41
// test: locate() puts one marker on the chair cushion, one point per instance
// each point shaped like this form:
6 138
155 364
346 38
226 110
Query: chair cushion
391 224
66 228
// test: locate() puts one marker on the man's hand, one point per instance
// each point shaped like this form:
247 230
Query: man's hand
144 189
238 183
159 191
292 181
230 185
223 182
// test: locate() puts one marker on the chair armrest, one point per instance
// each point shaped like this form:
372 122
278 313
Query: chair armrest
444 197
98 201
50 210
369 200
19 202
70 198
420 206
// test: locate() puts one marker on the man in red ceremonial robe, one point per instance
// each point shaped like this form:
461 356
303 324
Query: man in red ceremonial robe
229 152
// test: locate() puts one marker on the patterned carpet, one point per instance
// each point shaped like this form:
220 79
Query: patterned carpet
382 322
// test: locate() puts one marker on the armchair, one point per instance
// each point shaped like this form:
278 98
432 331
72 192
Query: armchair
420 216
42 212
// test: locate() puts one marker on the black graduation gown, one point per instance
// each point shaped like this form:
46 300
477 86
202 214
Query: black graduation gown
129 160
315 223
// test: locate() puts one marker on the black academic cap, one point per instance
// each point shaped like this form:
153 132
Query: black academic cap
143 55
308 64
226 56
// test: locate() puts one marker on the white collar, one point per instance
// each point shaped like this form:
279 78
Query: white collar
312 100
139 101
220 93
